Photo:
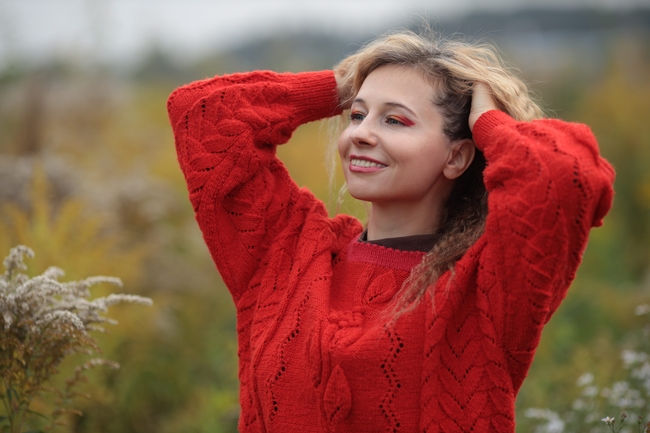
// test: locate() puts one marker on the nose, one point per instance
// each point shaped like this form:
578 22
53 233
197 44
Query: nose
364 134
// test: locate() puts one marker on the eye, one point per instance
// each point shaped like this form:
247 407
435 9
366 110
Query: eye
398 120
357 116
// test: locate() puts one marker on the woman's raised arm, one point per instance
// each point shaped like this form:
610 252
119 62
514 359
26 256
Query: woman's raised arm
226 130
547 187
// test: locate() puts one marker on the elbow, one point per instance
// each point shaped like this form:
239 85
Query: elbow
175 108
606 197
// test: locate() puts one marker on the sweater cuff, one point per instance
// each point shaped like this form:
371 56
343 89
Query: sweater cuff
314 95
486 123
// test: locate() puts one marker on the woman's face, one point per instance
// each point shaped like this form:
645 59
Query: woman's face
394 149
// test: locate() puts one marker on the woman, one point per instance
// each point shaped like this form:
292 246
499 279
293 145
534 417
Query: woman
427 319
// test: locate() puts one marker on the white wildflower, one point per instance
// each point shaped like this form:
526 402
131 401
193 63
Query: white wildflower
44 301
555 425
553 422
91 281
608 420
579 404
538 413
38 287
590 391
8 319
53 273
631 357
96 362
630 396
618 390
14 261
132 299
642 372
95 328
642 309
585 379
45 320
58 316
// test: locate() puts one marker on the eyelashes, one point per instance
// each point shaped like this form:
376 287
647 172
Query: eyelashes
358 116
402 120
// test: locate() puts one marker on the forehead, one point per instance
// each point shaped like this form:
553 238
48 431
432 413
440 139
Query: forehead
397 84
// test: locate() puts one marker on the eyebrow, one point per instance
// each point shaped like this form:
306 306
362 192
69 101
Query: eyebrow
390 104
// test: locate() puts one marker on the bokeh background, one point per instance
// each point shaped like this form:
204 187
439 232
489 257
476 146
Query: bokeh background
89 179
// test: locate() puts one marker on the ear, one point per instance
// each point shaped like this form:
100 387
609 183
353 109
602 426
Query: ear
461 156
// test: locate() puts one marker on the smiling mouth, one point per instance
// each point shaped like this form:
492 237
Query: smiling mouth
364 163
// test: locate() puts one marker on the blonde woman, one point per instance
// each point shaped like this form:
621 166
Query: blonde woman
427 318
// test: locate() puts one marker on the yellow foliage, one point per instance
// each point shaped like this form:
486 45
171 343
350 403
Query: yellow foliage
67 237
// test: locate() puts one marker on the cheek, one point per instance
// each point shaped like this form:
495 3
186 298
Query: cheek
435 152
343 143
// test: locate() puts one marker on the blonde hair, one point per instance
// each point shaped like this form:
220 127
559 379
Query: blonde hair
451 67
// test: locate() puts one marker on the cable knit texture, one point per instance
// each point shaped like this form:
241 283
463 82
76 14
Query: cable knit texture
316 353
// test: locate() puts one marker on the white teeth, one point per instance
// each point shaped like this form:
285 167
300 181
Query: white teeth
365 163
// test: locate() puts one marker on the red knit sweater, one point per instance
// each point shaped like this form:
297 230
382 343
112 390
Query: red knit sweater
315 352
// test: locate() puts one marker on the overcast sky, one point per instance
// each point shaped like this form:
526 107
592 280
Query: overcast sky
110 30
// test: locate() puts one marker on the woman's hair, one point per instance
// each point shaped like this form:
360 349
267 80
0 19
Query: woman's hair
451 67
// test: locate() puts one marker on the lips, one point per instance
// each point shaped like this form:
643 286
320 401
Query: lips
364 165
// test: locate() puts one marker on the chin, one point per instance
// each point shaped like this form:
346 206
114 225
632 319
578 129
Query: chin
356 194
364 195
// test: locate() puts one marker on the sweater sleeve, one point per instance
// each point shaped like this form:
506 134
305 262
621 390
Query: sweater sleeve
547 187
226 130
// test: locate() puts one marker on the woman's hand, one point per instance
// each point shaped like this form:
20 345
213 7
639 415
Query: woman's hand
482 101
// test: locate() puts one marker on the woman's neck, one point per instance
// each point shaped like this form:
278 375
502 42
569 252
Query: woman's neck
403 219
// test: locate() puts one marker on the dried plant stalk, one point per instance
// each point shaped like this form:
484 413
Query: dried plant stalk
42 321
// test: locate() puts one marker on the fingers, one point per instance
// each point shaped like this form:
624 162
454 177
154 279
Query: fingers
482 101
